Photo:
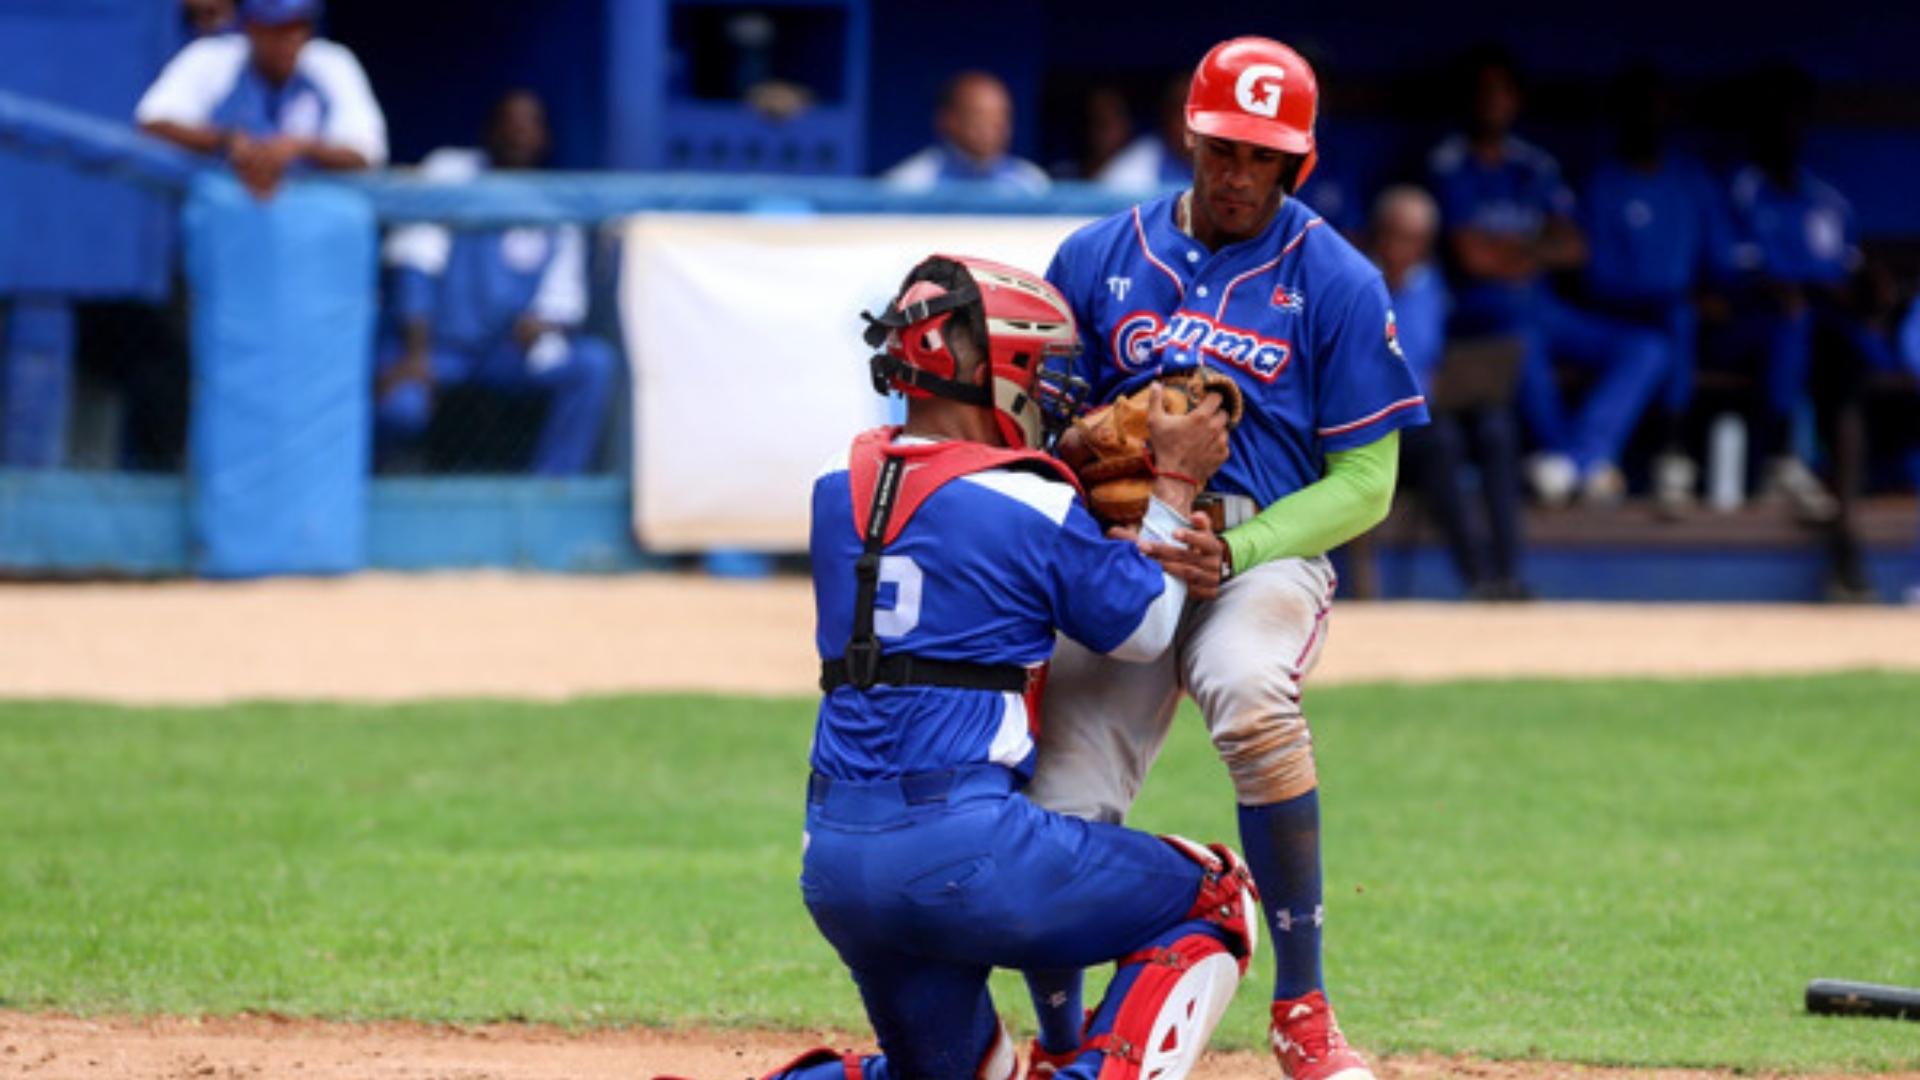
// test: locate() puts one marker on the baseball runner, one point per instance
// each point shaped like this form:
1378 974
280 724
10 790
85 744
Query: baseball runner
1235 274
946 555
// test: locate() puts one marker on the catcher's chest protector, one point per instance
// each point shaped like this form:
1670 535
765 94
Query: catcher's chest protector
888 483
928 466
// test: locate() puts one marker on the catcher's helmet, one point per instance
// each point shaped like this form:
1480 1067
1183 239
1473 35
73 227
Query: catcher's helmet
1256 90
1023 321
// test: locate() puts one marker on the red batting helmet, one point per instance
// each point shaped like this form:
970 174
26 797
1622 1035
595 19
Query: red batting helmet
1256 90
1026 323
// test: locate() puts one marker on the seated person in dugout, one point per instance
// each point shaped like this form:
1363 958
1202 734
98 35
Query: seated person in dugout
499 308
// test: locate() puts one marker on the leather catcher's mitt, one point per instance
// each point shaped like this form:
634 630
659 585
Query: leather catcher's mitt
1107 448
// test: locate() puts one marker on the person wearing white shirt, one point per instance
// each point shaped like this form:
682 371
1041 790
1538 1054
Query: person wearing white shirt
271 100
975 125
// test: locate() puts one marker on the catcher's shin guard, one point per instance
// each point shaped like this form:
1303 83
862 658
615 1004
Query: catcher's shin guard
1176 990
1173 998
1002 1059
1227 895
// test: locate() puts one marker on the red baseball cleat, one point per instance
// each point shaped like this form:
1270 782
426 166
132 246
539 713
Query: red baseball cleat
1307 1040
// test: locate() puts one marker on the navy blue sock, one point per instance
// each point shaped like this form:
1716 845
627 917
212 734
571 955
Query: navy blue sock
1282 844
1056 1007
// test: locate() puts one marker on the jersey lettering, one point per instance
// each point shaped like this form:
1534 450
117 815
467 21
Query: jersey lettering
901 577
1134 338
1263 358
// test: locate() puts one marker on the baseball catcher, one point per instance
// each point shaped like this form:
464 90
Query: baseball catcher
947 554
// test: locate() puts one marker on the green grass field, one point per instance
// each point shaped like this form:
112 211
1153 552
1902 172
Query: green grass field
1610 872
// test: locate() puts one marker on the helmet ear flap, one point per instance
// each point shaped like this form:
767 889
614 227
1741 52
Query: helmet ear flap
1306 169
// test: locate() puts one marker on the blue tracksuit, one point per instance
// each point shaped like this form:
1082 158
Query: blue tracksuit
1655 235
1800 235
1518 196
473 287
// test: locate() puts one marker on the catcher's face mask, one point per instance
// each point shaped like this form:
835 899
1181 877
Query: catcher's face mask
1030 338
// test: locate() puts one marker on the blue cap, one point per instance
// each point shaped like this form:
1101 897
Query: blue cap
279 12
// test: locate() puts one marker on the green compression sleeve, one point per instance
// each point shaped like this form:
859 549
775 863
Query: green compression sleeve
1353 497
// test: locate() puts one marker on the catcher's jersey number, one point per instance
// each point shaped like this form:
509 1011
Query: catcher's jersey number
900 581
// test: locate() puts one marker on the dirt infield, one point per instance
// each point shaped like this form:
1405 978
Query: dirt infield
384 638
45 1047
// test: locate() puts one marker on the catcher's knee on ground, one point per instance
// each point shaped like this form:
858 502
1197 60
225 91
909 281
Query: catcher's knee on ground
1000 1062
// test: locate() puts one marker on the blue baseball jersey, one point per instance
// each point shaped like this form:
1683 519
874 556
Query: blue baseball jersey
1297 316
985 571
1653 235
1515 196
1803 234
1420 307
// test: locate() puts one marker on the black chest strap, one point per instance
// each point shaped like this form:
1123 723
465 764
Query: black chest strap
864 665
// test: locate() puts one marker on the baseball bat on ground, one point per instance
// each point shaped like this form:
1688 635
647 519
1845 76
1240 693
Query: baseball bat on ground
1839 997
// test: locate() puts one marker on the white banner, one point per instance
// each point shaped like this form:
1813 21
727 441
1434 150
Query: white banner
749 372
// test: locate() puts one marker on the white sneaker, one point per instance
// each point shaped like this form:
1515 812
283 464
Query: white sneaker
1554 478
1674 477
1789 478
1604 485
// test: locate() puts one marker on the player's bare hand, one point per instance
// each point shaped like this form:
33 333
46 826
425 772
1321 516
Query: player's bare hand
414 366
1193 443
259 163
1194 557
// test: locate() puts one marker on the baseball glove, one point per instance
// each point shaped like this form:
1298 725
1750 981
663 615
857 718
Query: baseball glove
1107 448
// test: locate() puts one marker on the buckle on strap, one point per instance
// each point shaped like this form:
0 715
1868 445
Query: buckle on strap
863 663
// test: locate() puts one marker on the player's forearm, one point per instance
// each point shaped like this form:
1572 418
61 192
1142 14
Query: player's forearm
1353 497
418 335
1562 247
1176 492
1492 257
1162 618
333 158
199 138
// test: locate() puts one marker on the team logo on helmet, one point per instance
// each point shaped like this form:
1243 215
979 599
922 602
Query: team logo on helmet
1258 89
